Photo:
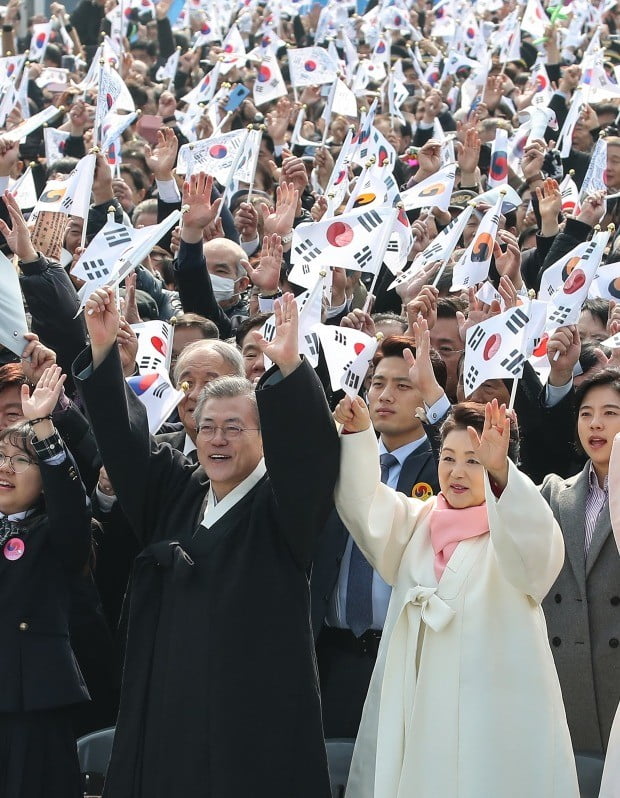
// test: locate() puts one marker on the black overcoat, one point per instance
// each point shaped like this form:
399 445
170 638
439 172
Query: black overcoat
220 693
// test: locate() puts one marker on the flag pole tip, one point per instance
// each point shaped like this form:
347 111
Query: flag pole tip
597 228
95 150
379 336
185 387
172 320
184 208
322 273
611 228
571 172
111 209
32 164
503 191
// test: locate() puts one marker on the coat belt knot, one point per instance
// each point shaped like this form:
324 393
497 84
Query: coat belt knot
435 613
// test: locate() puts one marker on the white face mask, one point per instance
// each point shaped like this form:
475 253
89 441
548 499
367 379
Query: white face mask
223 287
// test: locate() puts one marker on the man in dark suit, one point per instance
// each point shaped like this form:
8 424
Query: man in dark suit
219 696
349 599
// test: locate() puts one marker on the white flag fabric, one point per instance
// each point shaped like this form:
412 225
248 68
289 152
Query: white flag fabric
498 171
565 305
555 275
154 345
356 240
399 245
24 190
606 284
110 88
435 191
496 348
311 66
341 346
76 201
39 40
233 50
246 168
216 156
204 91
269 83
534 20
13 324
28 126
473 267
51 198
55 143
339 179
10 69
613 342
439 250
570 196
376 146
158 396
565 137
595 176
344 101
168 70
114 125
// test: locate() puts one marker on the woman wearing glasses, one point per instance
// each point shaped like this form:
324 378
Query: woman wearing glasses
44 542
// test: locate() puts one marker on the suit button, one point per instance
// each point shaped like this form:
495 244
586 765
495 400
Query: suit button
556 641
614 601
613 643
558 598
23 627
326 597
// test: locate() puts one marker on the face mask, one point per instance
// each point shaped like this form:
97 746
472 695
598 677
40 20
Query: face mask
223 287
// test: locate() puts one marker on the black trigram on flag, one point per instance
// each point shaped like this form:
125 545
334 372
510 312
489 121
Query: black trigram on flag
370 220
476 338
392 245
351 379
95 269
560 314
363 257
307 250
160 390
339 338
470 379
517 321
513 362
116 238
269 330
312 339
150 362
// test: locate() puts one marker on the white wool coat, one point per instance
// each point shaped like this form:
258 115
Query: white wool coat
464 701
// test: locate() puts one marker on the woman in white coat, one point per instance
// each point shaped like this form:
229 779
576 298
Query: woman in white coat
464 701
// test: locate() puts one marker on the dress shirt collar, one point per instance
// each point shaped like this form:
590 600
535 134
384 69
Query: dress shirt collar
403 452
593 481
189 445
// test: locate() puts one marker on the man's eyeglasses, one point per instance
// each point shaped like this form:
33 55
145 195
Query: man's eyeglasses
229 431
18 462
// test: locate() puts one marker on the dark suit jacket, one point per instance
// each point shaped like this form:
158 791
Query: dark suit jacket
175 439
220 693
37 667
419 467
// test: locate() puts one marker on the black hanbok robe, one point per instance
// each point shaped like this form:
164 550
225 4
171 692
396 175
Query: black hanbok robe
220 694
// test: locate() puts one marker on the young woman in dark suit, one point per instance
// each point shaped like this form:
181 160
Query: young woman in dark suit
44 541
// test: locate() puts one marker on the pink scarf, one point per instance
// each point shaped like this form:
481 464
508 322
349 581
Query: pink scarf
450 526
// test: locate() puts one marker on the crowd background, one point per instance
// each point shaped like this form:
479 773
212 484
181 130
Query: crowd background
468 73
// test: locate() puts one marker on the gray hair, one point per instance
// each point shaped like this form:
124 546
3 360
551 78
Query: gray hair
226 388
146 206
228 352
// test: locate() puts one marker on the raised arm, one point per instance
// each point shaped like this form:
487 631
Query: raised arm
146 478
299 437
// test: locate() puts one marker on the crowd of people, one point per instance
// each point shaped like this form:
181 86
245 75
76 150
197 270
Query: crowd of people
264 481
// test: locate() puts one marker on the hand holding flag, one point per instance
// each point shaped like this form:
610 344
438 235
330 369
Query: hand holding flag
283 350
18 236
200 211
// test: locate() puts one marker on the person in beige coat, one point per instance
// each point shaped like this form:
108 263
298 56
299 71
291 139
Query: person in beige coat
464 701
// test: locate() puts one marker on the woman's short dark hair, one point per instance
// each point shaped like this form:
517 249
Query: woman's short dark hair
608 377
471 414
20 436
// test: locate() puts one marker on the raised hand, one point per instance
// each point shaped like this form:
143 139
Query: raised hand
267 274
284 348
491 448
429 158
9 155
129 306
352 414
420 367
359 320
509 262
280 220
468 155
563 349
127 342
593 208
18 236
425 305
277 121
294 172
45 395
201 212
36 358
162 158
102 322
246 221
477 313
550 205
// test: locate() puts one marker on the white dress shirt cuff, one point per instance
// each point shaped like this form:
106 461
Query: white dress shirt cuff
438 409
168 191
106 502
